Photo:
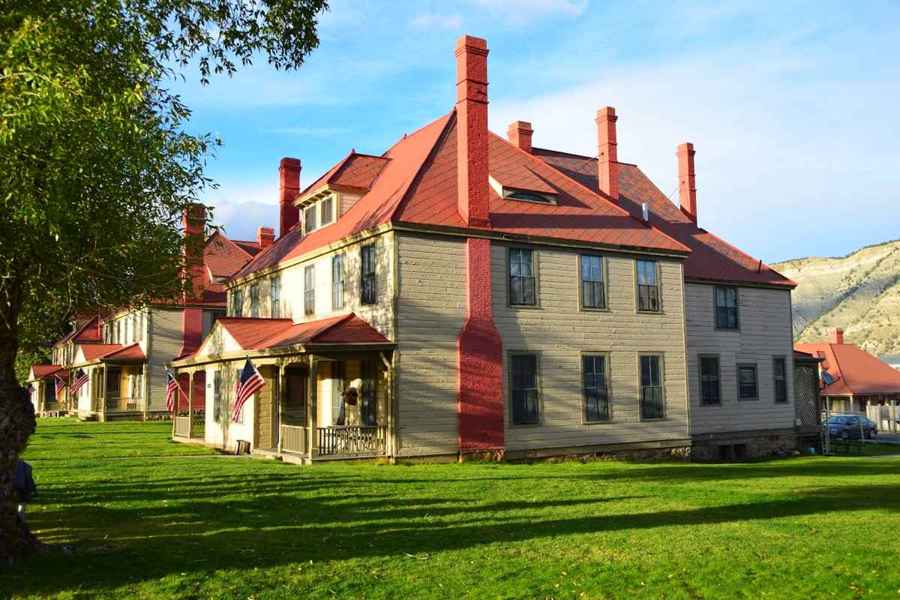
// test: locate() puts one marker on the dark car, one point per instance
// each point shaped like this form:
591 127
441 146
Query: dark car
851 427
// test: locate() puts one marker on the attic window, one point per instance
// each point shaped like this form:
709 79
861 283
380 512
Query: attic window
530 197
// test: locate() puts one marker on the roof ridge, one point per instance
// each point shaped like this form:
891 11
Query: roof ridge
603 197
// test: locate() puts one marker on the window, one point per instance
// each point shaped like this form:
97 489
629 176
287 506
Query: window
309 290
747 384
337 282
368 408
530 197
254 301
217 396
651 388
240 416
275 297
327 210
524 389
710 382
594 387
522 290
779 369
726 307
367 276
593 294
309 218
648 286
237 303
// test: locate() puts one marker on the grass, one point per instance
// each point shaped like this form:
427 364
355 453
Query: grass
130 514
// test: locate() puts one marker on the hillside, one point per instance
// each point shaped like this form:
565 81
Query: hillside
859 292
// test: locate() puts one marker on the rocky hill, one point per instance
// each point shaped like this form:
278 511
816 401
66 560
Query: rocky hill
859 292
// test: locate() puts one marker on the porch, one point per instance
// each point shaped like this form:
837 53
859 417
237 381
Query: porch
301 414
118 390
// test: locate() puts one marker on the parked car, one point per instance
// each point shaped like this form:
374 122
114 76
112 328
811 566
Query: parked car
849 427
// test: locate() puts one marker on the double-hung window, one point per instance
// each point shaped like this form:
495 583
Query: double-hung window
368 293
237 303
648 286
525 398
779 371
726 307
652 401
595 390
748 386
309 290
337 282
309 218
593 289
710 380
254 301
275 297
217 396
522 284
327 215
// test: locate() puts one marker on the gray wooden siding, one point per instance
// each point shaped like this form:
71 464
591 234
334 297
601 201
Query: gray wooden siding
431 312
559 332
165 345
765 332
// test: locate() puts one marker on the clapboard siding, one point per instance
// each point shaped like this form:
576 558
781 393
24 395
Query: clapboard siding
379 315
165 345
559 332
765 332
431 311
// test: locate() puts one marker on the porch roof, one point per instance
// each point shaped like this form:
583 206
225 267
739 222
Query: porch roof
283 336
130 353
43 371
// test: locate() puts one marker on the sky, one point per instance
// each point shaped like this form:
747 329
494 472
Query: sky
793 107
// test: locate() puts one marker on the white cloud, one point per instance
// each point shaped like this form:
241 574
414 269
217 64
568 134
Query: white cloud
784 155
433 21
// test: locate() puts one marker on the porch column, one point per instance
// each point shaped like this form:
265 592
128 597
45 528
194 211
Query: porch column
145 391
390 441
190 404
280 400
893 415
311 409
103 387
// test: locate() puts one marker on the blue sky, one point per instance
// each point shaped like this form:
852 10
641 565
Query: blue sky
794 108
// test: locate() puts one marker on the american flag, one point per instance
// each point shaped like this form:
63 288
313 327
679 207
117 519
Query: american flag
247 384
59 383
172 389
81 378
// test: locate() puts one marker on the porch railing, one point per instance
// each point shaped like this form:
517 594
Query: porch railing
293 439
182 426
350 440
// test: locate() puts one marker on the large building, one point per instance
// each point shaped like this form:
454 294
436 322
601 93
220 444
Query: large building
484 296
122 353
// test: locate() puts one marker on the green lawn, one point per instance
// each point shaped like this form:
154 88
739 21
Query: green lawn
130 514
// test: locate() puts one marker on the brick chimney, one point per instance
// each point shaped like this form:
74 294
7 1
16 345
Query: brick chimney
265 236
519 134
687 184
472 131
838 336
192 316
607 154
194 221
289 187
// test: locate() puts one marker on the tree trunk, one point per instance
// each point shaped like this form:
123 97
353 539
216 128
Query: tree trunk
17 423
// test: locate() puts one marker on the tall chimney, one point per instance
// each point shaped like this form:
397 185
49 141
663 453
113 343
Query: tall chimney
194 221
472 131
519 134
265 236
289 187
838 336
192 316
607 154
687 184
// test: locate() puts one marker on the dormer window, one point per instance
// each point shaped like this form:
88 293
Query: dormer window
530 197
327 210
319 211
309 218
524 189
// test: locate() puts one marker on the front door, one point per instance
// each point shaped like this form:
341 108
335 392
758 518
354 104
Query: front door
267 410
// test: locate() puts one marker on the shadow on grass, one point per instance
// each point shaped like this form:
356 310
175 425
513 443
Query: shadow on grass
246 520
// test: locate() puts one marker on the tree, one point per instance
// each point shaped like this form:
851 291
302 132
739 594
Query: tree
96 166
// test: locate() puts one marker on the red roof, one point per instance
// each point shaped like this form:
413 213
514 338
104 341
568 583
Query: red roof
89 331
224 257
853 370
132 352
711 258
43 371
95 351
416 184
261 334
